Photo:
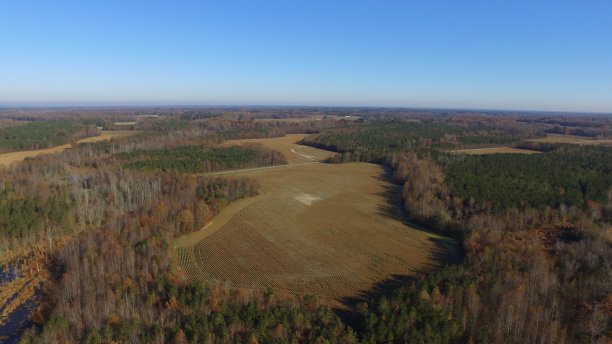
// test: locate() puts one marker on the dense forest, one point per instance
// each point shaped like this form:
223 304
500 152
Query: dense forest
534 228
20 214
37 135
570 176
195 159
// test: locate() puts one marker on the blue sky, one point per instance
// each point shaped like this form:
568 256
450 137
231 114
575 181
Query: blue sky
541 55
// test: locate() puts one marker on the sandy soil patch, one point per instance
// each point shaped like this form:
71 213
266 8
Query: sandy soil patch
306 198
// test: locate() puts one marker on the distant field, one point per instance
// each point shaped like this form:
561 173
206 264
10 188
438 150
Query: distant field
324 229
583 140
496 150
288 146
107 135
7 159
550 138
307 119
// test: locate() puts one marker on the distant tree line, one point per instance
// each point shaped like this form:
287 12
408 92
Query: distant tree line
373 141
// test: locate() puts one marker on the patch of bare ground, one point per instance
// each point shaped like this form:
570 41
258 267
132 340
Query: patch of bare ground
332 230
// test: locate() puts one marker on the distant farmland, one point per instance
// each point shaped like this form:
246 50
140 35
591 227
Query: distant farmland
329 230
287 145
582 140
494 150
550 138
7 159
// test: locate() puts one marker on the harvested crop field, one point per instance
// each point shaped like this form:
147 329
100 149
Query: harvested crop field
495 150
326 229
7 159
582 140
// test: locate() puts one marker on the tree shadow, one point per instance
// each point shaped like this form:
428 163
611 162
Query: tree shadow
349 312
446 251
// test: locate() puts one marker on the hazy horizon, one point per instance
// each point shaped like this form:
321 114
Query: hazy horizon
281 106
519 56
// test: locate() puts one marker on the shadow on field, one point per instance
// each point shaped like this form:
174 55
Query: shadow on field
446 251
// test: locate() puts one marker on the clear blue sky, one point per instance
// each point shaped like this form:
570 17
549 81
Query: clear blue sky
536 54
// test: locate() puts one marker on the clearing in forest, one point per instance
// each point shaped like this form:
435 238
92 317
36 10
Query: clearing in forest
7 159
331 230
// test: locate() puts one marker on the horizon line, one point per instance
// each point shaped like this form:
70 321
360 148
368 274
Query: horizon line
203 106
